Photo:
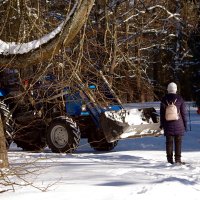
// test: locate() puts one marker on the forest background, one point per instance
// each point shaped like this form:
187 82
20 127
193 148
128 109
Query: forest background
139 45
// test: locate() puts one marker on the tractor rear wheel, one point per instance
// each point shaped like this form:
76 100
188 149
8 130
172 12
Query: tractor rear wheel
98 142
63 135
30 137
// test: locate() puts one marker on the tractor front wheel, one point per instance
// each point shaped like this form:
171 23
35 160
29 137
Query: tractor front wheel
63 135
98 142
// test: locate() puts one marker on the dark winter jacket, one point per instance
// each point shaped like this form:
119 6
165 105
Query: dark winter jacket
176 127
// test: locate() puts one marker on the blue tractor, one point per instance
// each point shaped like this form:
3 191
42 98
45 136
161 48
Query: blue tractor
36 115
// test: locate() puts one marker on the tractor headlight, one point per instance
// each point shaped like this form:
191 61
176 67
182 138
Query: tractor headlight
83 108
84 111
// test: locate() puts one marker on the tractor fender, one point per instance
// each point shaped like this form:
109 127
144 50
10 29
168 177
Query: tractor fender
62 117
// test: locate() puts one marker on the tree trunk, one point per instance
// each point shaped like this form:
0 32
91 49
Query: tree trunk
178 41
3 150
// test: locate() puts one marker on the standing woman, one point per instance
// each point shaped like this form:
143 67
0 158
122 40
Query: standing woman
173 129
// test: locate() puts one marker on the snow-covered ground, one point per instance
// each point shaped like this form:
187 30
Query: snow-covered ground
135 169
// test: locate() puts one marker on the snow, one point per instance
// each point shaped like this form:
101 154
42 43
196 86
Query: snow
135 169
132 116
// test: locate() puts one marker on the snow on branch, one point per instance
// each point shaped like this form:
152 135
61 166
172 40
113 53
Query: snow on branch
8 48
3 1
12 48
171 15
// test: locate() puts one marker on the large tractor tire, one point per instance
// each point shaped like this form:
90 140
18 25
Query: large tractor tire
8 124
31 137
63 135
98 141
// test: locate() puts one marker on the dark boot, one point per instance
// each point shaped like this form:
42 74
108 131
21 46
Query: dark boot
180 163
169 149
170 160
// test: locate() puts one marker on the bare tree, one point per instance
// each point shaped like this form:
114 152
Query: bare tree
3 150
21 51
140 45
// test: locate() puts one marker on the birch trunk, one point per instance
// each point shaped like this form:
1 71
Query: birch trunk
3 150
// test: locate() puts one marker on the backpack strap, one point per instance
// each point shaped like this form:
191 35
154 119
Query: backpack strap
172 102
